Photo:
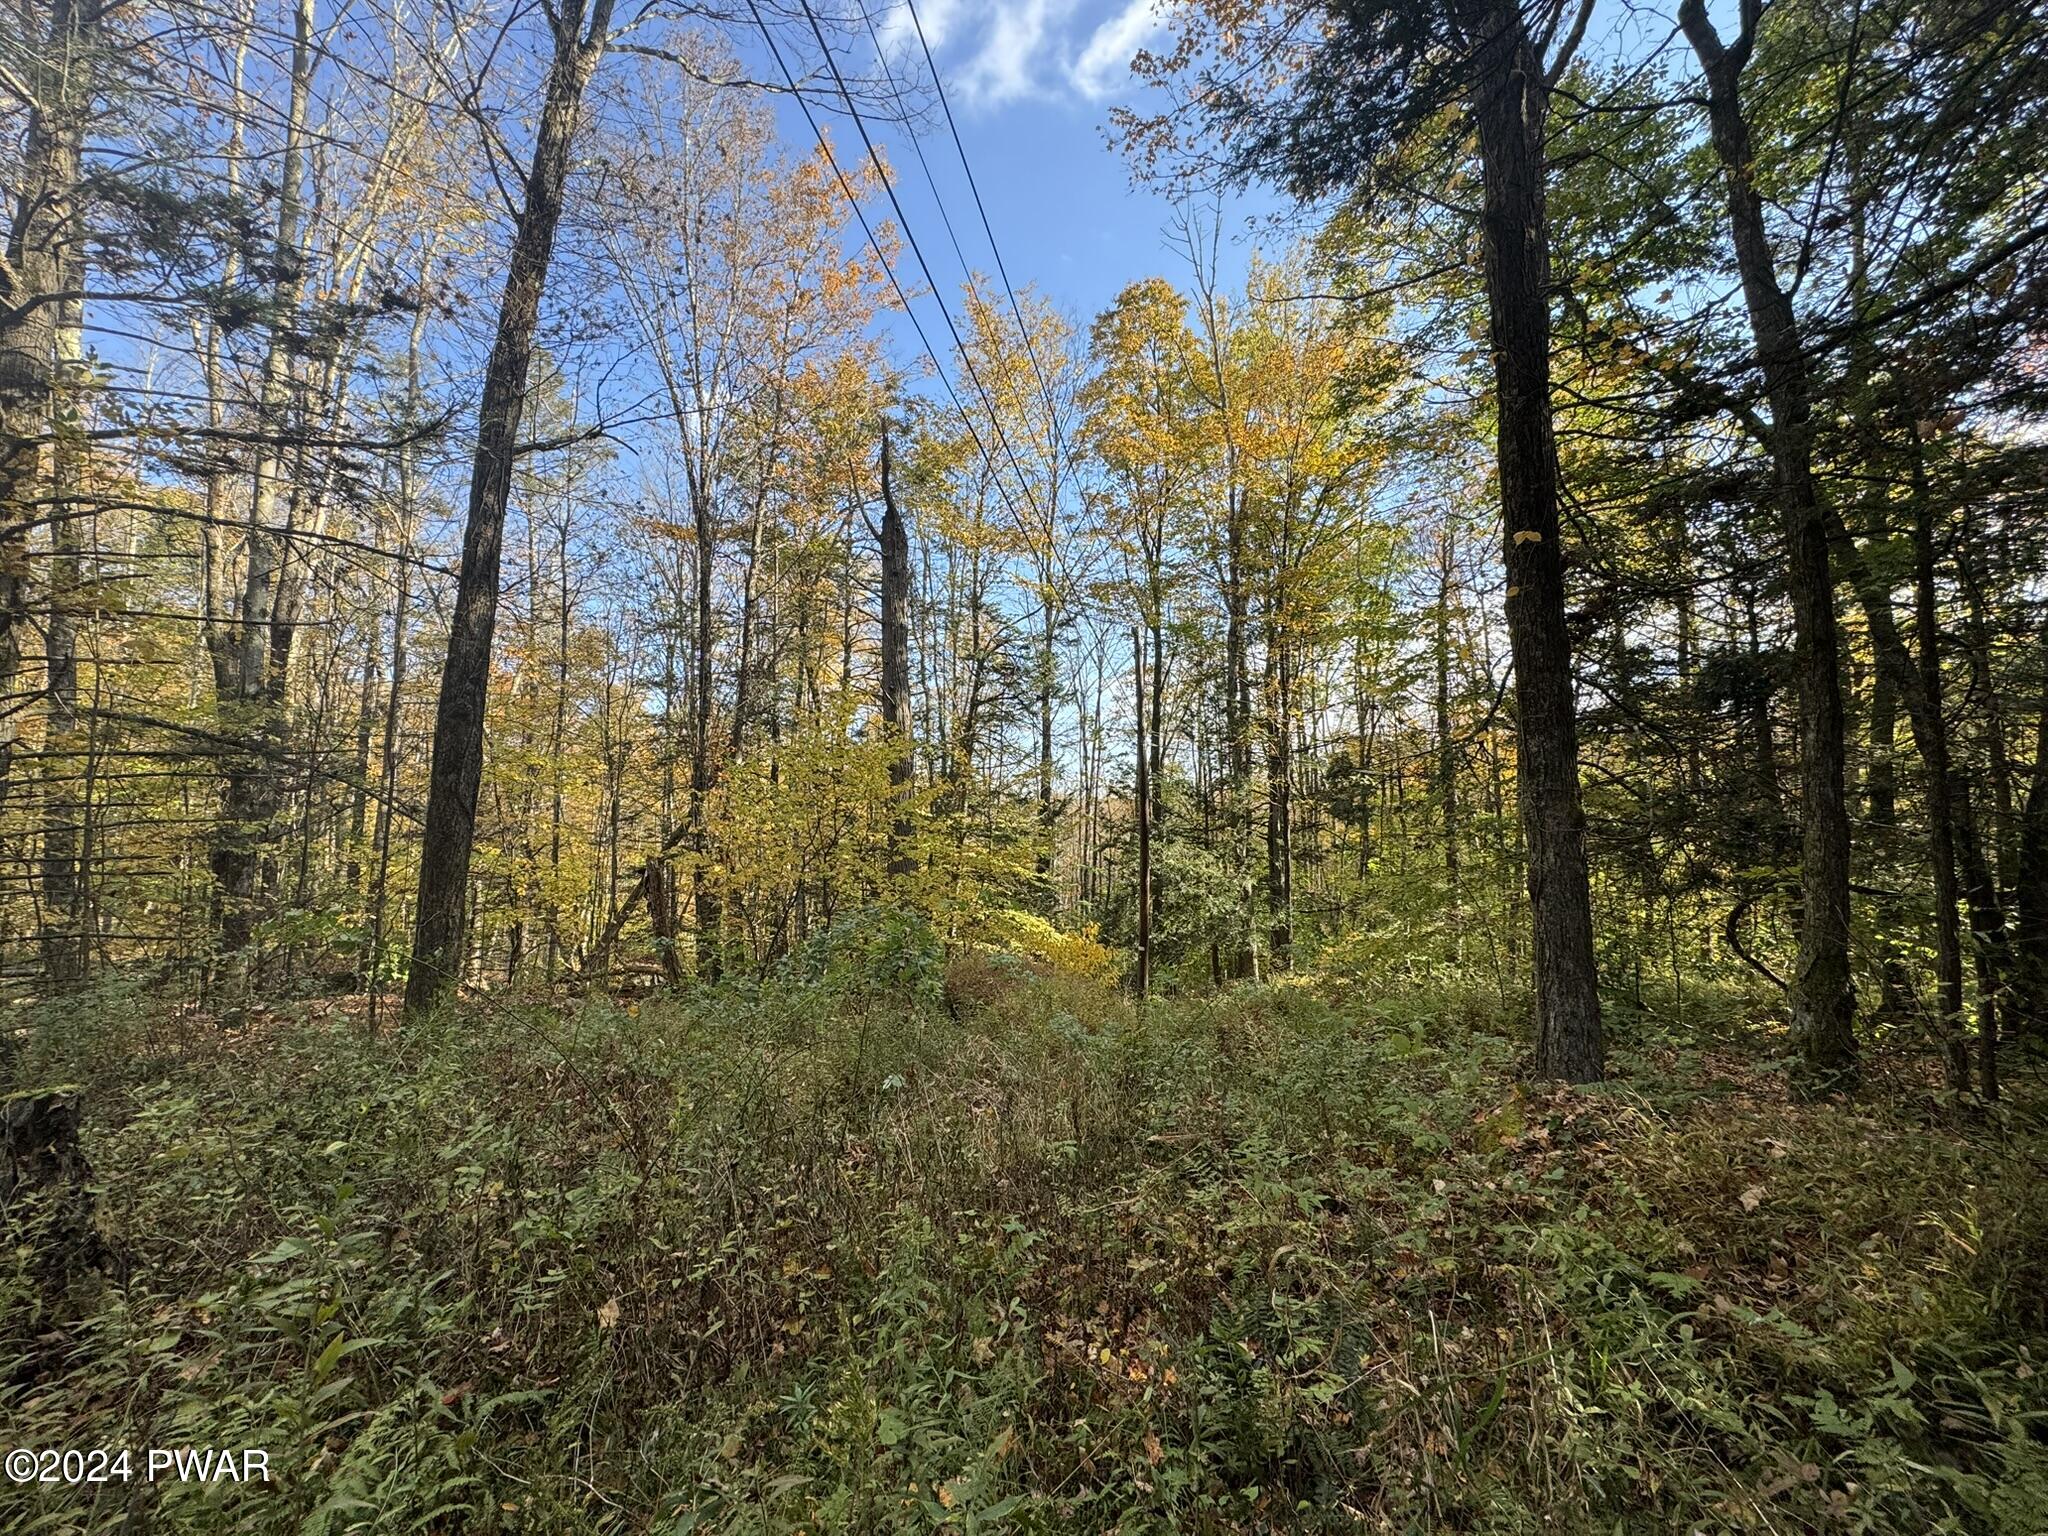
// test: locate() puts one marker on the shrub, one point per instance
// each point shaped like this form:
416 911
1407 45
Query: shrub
813 1256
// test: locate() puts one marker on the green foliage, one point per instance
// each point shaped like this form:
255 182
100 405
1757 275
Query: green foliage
825 1256
875 952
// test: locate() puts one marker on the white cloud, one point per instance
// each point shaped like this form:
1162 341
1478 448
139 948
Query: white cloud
898 28
1003 51
1013 46
1105 63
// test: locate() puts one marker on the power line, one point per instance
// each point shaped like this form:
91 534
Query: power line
910 235
916 142
1052 414
974 187
853 202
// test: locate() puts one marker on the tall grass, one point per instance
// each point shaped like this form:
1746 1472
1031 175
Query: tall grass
893 1246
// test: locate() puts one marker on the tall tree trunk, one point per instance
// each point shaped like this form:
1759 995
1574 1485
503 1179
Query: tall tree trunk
251 708
1823 999
215 567
1048 814
1980 880
1279 802
704 899
457 765
366 731
2029 1007
558 735
1511 105
895 541
40 257
661 914
1977 646
1881 811
1142 796
1446 746
1952 820
1360 791
1941 815
1155 808
65 943
1237 707
394 698
1898 999
743 665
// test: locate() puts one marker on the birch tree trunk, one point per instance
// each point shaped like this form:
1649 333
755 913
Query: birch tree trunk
65 944
38 258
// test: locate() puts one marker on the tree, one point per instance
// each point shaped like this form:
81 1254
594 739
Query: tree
1142 794
1823 1000
42 381
42 270
2031 941
449 833
751 315
1371 77
1025 374
895 541
248 634
1143 427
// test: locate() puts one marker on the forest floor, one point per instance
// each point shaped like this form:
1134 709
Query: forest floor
913 1247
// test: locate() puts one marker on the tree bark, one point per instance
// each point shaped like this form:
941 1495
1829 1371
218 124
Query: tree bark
1142 795
41 252
2029 1006
65 942
1881 811
661 912
1279 799
248 685
457 764
1823 998
1987 913
1941 812
1511 105
707 913
1236 700
1950 802
1446 746
1048 812
366 731
895 542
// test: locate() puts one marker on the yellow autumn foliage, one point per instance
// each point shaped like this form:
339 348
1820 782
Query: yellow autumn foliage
1079 953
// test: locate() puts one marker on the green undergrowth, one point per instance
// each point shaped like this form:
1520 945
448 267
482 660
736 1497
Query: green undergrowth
1010 1256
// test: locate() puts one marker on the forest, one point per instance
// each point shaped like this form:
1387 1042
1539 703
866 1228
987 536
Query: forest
1024 766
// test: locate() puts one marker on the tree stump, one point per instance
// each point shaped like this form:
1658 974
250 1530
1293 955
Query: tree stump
45 1184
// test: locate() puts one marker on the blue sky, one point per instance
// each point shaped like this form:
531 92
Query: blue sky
1031 84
